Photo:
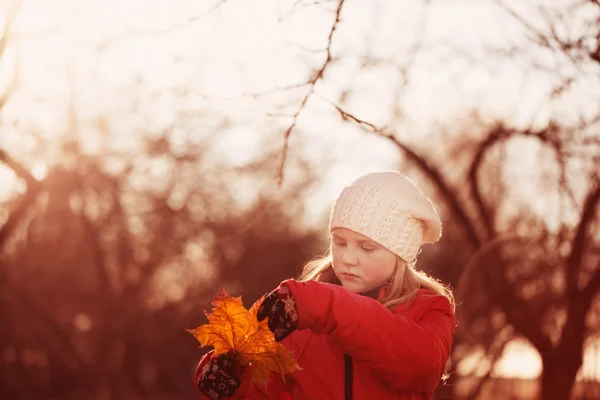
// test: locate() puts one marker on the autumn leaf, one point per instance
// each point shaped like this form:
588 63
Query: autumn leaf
233 328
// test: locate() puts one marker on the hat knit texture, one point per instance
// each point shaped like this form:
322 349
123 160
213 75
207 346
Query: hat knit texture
389 209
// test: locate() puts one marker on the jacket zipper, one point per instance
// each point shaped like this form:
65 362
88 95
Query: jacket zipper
348 377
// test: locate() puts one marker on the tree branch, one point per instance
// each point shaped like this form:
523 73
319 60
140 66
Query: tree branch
70 349
494 355
526 24
411 56
550 40
592 287
185 23
429 170
10 89
132 32
298 4
18 169
14 81
497 134
312 82
25 201
487 260
580 242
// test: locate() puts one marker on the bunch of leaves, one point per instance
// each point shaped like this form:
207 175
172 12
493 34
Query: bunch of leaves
232 328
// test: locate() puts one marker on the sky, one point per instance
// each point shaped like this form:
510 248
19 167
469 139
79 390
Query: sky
143 66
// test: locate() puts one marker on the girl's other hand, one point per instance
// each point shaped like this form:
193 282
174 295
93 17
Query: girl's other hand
280 307
218 376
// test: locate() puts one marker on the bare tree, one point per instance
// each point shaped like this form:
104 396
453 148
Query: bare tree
104 270
529 276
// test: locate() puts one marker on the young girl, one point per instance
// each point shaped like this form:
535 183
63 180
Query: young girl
362 322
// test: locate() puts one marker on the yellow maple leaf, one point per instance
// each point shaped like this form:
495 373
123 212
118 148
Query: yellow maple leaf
233 328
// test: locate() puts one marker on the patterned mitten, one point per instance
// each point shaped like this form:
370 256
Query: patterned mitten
218 376
280 307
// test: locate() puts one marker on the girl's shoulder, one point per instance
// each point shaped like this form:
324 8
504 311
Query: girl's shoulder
424 293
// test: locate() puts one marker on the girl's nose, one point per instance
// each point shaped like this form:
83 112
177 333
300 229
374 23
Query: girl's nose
350 257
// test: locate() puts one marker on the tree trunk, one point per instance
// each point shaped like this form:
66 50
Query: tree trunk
558 376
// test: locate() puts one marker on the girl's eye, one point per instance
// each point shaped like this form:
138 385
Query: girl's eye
340 243
368 249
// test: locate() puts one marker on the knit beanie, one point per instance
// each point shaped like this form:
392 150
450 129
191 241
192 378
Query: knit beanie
389 209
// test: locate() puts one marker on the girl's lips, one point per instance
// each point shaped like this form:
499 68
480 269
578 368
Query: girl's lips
349 276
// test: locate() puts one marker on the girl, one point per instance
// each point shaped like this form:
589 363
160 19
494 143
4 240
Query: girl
362 322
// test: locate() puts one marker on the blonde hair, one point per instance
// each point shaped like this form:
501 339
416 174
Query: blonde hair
403 285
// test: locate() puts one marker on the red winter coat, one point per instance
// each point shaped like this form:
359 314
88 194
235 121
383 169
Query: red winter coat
396 355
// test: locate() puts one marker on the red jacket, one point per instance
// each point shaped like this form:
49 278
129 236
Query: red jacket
396 355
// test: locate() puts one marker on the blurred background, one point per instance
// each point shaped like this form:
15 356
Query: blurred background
153 152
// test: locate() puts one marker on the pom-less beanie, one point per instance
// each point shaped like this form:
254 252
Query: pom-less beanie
389 209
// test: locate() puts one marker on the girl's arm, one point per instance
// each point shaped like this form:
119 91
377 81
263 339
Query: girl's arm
407 355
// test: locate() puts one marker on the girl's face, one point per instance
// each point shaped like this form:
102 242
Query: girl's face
360 263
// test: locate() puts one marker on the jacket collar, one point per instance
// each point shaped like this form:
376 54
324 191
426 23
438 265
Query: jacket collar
375 293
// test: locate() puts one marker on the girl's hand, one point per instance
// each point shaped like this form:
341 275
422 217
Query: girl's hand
218 376
280 307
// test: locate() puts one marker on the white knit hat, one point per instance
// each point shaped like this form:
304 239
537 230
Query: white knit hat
389 209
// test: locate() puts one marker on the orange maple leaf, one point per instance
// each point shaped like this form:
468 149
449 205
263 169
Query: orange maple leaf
233 328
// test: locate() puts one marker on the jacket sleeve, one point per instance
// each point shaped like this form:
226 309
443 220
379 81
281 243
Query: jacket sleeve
406 354
276 388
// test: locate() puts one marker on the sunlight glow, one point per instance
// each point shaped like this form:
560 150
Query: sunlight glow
99 66
39 170
519 360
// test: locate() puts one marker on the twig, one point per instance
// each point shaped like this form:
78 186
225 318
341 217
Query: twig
18 168
26 200
252 95
308 50
532 29
297 5
495 354
487 260
311 83
182 24
550 40
347 116
14 81
132 32
429 170
413 53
